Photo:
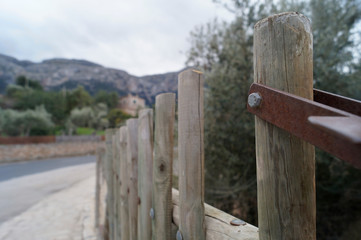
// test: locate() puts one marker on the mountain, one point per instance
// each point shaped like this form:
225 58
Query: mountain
59 73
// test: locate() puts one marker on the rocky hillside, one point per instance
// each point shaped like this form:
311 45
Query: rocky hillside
55 74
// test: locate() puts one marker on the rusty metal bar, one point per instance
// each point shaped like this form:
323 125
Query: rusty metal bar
337 101
333 130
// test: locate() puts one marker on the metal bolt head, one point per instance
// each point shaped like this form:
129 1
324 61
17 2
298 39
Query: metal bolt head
151 213
179 235
237 222
254 100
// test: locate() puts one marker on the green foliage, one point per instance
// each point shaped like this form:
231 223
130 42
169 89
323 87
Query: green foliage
90 116
110 99
16 91
29 122
117 117
100 120
54 103
335 68
224 53
26 82
82 117
8 120
78 98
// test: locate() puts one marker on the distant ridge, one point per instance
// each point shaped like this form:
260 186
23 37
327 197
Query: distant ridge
59 73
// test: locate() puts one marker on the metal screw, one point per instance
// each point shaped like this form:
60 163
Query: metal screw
179 235
151 213
254 100
237 222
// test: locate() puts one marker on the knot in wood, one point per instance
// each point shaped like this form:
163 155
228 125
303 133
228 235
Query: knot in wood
161 167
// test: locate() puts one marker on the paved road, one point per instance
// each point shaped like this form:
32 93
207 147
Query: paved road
24 184
13 170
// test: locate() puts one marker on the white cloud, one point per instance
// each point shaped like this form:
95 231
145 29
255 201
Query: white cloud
139 36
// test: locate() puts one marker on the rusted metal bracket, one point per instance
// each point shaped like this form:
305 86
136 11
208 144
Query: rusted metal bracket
331 122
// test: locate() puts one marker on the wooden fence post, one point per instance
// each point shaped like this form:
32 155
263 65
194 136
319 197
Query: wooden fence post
132 138
285 164
116 187
98 181
145 165
191 155
163 166
109 177
124 185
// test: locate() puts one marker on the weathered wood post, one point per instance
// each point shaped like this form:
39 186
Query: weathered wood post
109 177
145 172
98 181
116 187
100 206
132 138
285 164
163 166
191 155
124 184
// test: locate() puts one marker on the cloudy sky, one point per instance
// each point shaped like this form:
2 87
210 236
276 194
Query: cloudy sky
139 36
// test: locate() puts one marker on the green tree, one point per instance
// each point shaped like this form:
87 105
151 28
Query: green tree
78 98
100 120
117 117
82 117
54 103
8 119
29 122
110 99
336 63
92 117
26 82
16 92
224 53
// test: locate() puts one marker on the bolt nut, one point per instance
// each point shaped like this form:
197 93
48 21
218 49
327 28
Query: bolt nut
179 235
254 100
237 222
151 213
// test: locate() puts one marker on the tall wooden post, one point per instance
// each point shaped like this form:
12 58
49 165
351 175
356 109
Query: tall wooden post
98 181
132 138
285 164
145 172
116 187
191 155
124 184
163 166
109 177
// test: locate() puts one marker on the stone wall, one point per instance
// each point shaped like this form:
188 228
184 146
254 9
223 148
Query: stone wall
13 153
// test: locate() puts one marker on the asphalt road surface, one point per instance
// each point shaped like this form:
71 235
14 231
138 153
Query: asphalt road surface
13 170
24 184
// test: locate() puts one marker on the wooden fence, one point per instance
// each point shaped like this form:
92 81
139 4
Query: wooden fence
137 166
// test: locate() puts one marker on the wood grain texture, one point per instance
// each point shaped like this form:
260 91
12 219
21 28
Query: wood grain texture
109 169
163 166
124 184
217 223
132 139
145 172
116 186
98 182
285 164
191 154
100 205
